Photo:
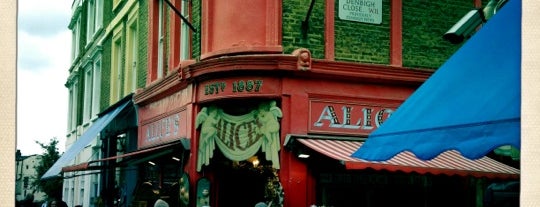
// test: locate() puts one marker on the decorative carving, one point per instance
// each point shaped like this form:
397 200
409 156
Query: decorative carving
304 59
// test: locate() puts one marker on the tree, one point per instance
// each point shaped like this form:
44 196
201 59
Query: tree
51 187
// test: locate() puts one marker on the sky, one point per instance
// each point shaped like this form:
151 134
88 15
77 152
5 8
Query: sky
43 60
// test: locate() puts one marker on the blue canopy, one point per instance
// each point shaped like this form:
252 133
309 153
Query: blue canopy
88 136
470 104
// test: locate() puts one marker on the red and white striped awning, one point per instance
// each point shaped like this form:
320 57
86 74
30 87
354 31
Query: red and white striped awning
448 163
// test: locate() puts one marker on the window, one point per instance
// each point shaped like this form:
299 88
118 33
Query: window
76 39
161 43
184 35
90 25
116 67
72 113
97 86
75 104
131 53
88 92
94 18
70 109
98 15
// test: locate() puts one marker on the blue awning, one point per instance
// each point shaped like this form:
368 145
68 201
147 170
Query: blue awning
470 104
83 141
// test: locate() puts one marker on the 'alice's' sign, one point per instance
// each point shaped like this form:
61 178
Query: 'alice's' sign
349 118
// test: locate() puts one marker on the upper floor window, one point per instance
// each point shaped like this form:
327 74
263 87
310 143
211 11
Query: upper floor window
75 39
184 34
161 20
96 82
94 19
88 88
73 86
132 48
70 107
116 66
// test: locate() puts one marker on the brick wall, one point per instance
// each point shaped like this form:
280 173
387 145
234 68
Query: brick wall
142 59
294 13
424 23
363 42
196 22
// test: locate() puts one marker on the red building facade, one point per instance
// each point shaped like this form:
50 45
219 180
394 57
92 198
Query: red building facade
249 100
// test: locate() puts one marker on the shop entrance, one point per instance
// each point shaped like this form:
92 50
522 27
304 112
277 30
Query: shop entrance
241 184
240 187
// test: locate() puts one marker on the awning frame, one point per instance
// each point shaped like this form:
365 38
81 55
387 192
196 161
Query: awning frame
99 163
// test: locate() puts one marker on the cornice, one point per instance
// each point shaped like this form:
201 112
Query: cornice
323 69
280 66
158 89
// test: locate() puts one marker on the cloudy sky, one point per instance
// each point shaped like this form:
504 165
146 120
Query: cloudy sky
43 60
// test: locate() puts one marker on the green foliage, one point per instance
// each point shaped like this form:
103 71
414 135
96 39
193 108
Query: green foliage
52 187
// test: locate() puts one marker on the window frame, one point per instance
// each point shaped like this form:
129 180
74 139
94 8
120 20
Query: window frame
161 41
96 92
185 44
116 65
132 49
88 92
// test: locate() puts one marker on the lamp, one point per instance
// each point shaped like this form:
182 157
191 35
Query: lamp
254 160
302 154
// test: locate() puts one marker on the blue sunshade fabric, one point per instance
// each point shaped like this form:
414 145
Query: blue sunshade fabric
470 104
83 141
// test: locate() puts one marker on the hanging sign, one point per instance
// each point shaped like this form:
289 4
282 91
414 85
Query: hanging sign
367 11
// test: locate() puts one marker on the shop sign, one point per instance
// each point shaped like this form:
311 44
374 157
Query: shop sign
347 118
164 120
366 11
169 128
245 86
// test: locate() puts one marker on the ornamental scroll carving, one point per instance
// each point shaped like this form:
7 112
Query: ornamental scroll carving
239 137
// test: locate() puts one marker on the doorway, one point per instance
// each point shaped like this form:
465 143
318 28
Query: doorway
241 184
